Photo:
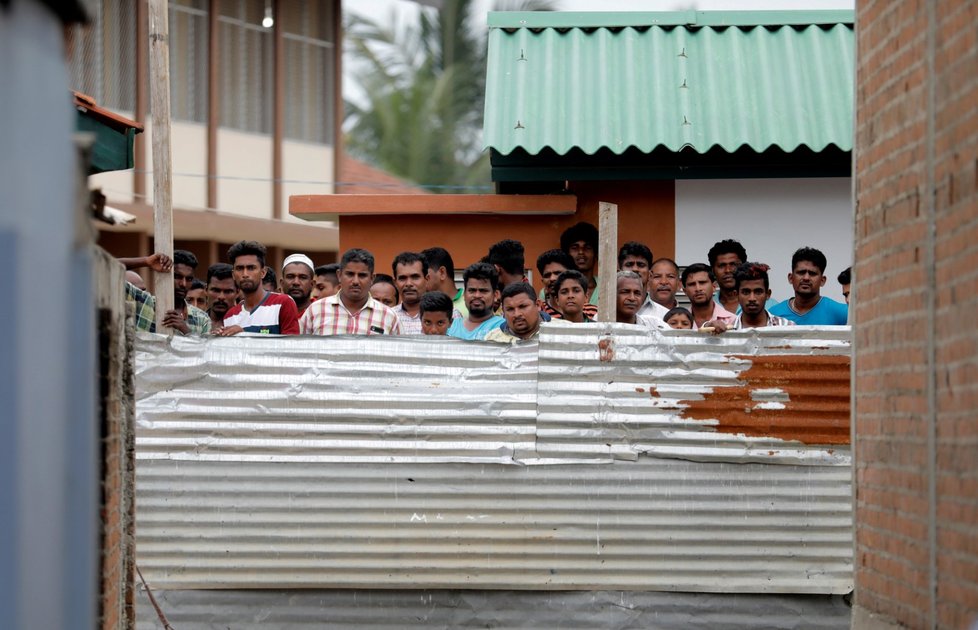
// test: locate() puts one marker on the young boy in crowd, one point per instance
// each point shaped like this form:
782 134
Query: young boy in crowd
679 318
197 295
570 294
436 313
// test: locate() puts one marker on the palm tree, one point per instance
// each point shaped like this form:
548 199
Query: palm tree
423 89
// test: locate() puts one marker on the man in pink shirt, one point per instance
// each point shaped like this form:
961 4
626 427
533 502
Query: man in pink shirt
351 311
698 284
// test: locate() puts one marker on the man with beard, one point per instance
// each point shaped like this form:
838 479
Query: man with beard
522 315
664 282
754 290
580 242
479 282
630 296
351 311
697 282
261 311
221 293
184 318
411 278
297 274
809 307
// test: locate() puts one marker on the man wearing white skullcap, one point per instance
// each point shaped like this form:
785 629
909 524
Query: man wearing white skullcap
297 279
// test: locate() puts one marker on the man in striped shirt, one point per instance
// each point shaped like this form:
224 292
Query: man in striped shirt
351 311
410 275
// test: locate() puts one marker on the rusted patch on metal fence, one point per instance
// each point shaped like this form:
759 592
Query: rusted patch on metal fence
813 407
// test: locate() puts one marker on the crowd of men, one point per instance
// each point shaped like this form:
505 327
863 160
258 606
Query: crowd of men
495 302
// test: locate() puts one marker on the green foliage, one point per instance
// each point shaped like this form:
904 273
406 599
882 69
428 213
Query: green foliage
424 87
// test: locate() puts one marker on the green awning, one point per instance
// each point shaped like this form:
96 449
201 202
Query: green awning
114 135
651 83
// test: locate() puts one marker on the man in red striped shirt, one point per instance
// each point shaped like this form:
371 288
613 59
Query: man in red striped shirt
351 311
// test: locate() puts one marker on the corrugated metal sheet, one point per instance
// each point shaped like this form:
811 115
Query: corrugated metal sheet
767 395
667 83
393 463
340 399
609 610
653 524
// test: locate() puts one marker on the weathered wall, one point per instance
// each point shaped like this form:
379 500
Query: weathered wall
645 213
915 292
116 415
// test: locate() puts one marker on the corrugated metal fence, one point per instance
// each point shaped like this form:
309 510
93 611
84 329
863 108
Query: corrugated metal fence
605 458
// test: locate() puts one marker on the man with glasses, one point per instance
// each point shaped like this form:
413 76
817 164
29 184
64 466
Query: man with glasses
809 307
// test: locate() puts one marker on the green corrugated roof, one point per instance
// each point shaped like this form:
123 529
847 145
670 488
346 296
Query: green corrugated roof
679 80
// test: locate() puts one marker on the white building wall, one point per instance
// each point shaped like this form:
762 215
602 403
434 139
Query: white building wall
244 168
303 164
771 218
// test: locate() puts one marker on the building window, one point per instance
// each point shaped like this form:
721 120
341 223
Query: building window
308 33
102 60
246 66
188 60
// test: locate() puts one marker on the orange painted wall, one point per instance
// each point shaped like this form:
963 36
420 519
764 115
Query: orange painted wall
646 213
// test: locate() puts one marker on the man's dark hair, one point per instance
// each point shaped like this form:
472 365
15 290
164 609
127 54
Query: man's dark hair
481 271
634 248
665 260
358 256
247 248
845 277
752 271
809 254
383 278
197 284
437 302
679 310
582 231
330 271
438 257
571 274
183 257
409 258
270 276
726 246
518 288
508 254
221 271
697 268
555 256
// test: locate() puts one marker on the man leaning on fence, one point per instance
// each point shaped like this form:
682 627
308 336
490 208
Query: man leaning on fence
351 311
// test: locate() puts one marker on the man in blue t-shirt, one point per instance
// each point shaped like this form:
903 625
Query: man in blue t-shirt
481 285
809 307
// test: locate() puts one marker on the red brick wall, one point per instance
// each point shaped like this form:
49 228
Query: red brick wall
915 293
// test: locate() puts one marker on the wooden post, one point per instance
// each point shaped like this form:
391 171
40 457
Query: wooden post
213 99
607 261
278 105
159 87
